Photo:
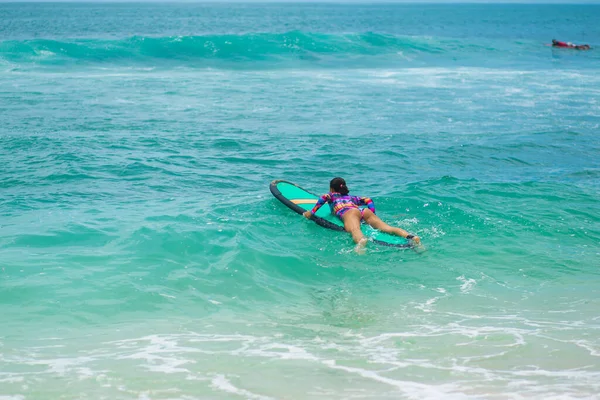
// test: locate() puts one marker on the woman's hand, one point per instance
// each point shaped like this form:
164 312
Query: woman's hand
307 214
416 240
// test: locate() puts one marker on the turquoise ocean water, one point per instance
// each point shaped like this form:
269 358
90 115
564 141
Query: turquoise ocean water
143 257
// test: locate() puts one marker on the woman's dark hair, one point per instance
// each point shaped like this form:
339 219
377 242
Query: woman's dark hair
339 185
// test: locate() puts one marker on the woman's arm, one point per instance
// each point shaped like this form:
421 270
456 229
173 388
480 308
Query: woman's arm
322 200
366 201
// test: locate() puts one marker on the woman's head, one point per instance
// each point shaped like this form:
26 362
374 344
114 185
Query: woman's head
338 185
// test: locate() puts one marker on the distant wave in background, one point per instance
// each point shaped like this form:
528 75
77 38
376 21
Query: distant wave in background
259 47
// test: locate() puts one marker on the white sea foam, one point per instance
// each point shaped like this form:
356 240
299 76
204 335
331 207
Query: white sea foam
427 306
467 285
281 351
222 383
45 53
593 348
61 366
11 378
412 390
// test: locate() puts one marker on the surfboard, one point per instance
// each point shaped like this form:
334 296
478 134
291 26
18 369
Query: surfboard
301 200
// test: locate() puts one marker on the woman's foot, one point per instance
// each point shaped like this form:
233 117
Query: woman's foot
361 246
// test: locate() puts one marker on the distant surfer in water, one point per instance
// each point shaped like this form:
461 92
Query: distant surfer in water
569 45
345 207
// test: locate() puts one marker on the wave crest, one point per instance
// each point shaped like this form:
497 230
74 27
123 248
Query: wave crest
249 47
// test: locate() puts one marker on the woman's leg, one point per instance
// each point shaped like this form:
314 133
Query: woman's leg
351 219
377 223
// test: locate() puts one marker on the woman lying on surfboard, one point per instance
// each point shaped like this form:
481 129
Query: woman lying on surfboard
345 207
568 45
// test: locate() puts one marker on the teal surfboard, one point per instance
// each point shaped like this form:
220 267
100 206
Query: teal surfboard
301 200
